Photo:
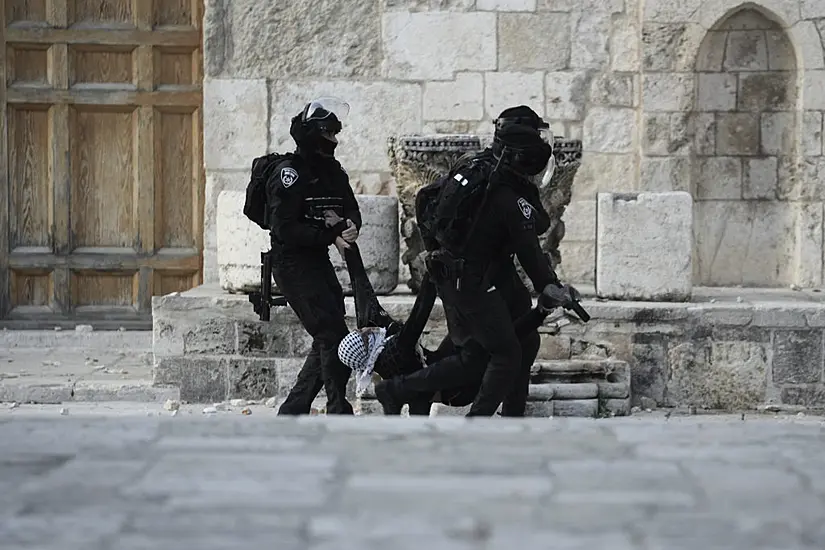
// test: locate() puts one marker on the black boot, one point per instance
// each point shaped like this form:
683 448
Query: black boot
389 401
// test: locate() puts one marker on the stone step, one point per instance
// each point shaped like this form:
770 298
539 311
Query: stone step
53 392
581 388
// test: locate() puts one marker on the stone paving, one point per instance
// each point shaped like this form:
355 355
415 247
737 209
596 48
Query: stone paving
107 476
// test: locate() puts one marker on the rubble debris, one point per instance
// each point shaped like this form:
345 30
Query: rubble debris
64 412
210 410
84 328
246 411
171 405
14 405
175 412
238 402
271 402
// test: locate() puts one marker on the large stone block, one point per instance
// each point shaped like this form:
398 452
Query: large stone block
609 130
215 183
251 39
378 110
718 178
565 93
663 174
461 99
605 172
667 134
730 375
533 41
414 44
644 246
625 53
240 243
503 90
667 91
797 357
671 10
234 129
809 245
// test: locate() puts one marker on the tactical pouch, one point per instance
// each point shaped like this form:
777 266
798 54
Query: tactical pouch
444 268
317 206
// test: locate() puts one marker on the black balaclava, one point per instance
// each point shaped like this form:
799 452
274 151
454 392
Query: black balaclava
315 136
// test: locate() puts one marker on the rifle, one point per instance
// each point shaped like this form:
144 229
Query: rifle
262 301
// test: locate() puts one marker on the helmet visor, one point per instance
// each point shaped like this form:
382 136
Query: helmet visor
324 107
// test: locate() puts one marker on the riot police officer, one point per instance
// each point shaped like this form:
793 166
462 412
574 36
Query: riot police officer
485 212
312 206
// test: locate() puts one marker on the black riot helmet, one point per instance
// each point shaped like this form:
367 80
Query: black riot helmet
314 129
523 141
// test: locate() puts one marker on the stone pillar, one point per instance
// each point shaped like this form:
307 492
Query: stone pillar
419 160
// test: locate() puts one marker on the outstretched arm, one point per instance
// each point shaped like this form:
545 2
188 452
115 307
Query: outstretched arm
420 314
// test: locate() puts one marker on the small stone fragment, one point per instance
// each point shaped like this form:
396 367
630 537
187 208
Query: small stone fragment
171 405
800 414
122 329
635 409
64 412
271 402
795 287
100 367
84 328
647 403
221 406
238 402
51 363
210 410
739 299
14 405
58 329
246 411
175 412
713 300
692 409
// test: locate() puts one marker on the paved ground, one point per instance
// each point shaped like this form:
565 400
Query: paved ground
107 476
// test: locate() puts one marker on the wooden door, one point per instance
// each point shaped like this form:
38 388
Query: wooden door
101 187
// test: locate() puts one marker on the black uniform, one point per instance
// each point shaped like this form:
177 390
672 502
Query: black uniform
478 312
300 190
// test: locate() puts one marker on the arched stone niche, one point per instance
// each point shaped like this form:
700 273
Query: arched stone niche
745 149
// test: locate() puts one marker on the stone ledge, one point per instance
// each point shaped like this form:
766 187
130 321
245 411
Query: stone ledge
718 353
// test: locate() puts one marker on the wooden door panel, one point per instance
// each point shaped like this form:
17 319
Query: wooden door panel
103 177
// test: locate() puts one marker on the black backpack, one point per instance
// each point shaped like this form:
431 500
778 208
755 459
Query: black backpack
447 208
255 206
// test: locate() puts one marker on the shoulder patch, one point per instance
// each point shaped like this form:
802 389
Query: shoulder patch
525 207
288 176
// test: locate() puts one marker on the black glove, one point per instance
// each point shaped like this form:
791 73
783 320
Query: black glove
554 296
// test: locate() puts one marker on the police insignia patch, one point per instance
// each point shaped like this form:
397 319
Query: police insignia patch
288 176
526 208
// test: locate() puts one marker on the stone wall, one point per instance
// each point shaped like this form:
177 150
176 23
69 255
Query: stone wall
720 98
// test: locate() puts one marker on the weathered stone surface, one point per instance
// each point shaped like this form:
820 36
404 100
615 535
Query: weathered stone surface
253 379
588 408
565 93
717 92
609 130
240 243
746 51
718 178
519 34
811 134
613 90
461 99
772 91
649 374
625 53
201 380
578 262
644 221
813 82
414 43
670 46
778 130
215 183
539 409
605 172
234 131
809 243
378 110
663 174
704 133
667 134
759 178
590 35
671 10
797 357
248 39
667 91
507 89
726 231
806 396
729 375
737 134
616 407
580 221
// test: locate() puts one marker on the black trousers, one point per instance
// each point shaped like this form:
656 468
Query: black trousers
315 295
487 362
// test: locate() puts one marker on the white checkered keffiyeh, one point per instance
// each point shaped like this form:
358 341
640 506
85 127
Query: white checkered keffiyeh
359 350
